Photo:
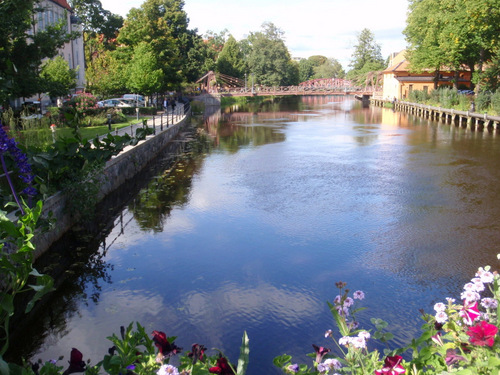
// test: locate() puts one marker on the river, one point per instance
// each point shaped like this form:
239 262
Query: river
290 197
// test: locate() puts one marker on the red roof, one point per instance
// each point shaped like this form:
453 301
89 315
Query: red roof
62 3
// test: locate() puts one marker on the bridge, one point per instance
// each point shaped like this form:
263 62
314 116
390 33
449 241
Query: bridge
217 84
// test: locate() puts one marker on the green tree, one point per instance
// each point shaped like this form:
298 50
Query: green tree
366 57
231 60
330 68
163 25
268 58
57 77
144 76
306 70
23 47
452 33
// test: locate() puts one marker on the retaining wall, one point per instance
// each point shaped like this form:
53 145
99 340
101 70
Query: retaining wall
119 169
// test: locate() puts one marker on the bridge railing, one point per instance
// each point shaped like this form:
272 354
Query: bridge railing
290 89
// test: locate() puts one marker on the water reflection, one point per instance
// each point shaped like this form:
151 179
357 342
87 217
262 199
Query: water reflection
290 197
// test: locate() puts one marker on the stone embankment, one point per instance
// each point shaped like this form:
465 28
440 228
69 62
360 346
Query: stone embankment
118 170
470 119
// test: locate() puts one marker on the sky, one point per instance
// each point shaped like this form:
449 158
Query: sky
311 27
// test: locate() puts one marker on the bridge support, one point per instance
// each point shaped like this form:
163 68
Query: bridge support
208 99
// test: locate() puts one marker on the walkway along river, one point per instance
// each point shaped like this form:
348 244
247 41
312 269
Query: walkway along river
289 197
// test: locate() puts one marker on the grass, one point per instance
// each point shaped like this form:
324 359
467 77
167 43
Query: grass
90 132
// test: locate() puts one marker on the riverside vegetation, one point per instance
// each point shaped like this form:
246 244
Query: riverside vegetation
457 338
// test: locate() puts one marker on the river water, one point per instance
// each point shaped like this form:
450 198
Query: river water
292 196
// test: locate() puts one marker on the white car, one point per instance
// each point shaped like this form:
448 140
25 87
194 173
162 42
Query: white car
136 99
115 102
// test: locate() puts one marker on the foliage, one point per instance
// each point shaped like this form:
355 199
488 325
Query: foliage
58 78
365 58
22 50
133 352
451 34
231 59
143 73
458 338
268 58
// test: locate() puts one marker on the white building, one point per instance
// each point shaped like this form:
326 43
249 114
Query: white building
73 52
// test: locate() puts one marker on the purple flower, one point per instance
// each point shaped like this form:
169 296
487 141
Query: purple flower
293 368
452 357
320 352
8 146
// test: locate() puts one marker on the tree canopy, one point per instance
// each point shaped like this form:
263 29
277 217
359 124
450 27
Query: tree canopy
451 34
366 58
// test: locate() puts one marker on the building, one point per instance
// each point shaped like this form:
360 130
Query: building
399 81
73 52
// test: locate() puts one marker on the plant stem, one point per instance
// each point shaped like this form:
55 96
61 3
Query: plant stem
7 175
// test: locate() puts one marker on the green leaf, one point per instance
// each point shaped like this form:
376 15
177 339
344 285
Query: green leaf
45 284
339 320
244 355
7 303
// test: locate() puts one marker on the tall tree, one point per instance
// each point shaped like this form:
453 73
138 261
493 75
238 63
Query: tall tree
57 77
23 47
269 59
367 57
231 60
144 76
163 25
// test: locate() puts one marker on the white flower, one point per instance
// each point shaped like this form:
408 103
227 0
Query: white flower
470 287
441 317
348 302
440 306
168 370
470 296
489 303
487 277
478 284
364 334
358 342
333 363
328 333
358 294
337 299
346 340
450 300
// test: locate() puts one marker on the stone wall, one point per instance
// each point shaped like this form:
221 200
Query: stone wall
119 169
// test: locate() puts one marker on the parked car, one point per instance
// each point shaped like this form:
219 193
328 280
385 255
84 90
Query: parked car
136 98
115 102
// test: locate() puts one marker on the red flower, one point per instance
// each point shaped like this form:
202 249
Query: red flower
392 366
76 363
482 334
320 352
222 367
164 346
197 352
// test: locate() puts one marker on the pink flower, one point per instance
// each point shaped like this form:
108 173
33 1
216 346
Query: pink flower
392 366
482 334
470 312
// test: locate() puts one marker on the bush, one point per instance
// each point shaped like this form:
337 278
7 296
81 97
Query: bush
495 102
483 101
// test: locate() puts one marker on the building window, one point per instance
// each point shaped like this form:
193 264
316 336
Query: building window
411 88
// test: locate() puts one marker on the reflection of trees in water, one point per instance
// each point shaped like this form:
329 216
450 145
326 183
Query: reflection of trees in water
77 264
171 189
78 268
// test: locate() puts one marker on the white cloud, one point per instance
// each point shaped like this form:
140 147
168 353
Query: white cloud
314 27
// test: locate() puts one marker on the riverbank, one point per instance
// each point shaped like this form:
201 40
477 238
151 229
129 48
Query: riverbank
117 170
472 120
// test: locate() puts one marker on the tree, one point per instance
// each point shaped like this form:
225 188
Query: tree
330 68
366 57
163 25
57 77
23 48
144 76
269 59
449 34
306 70
231 60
